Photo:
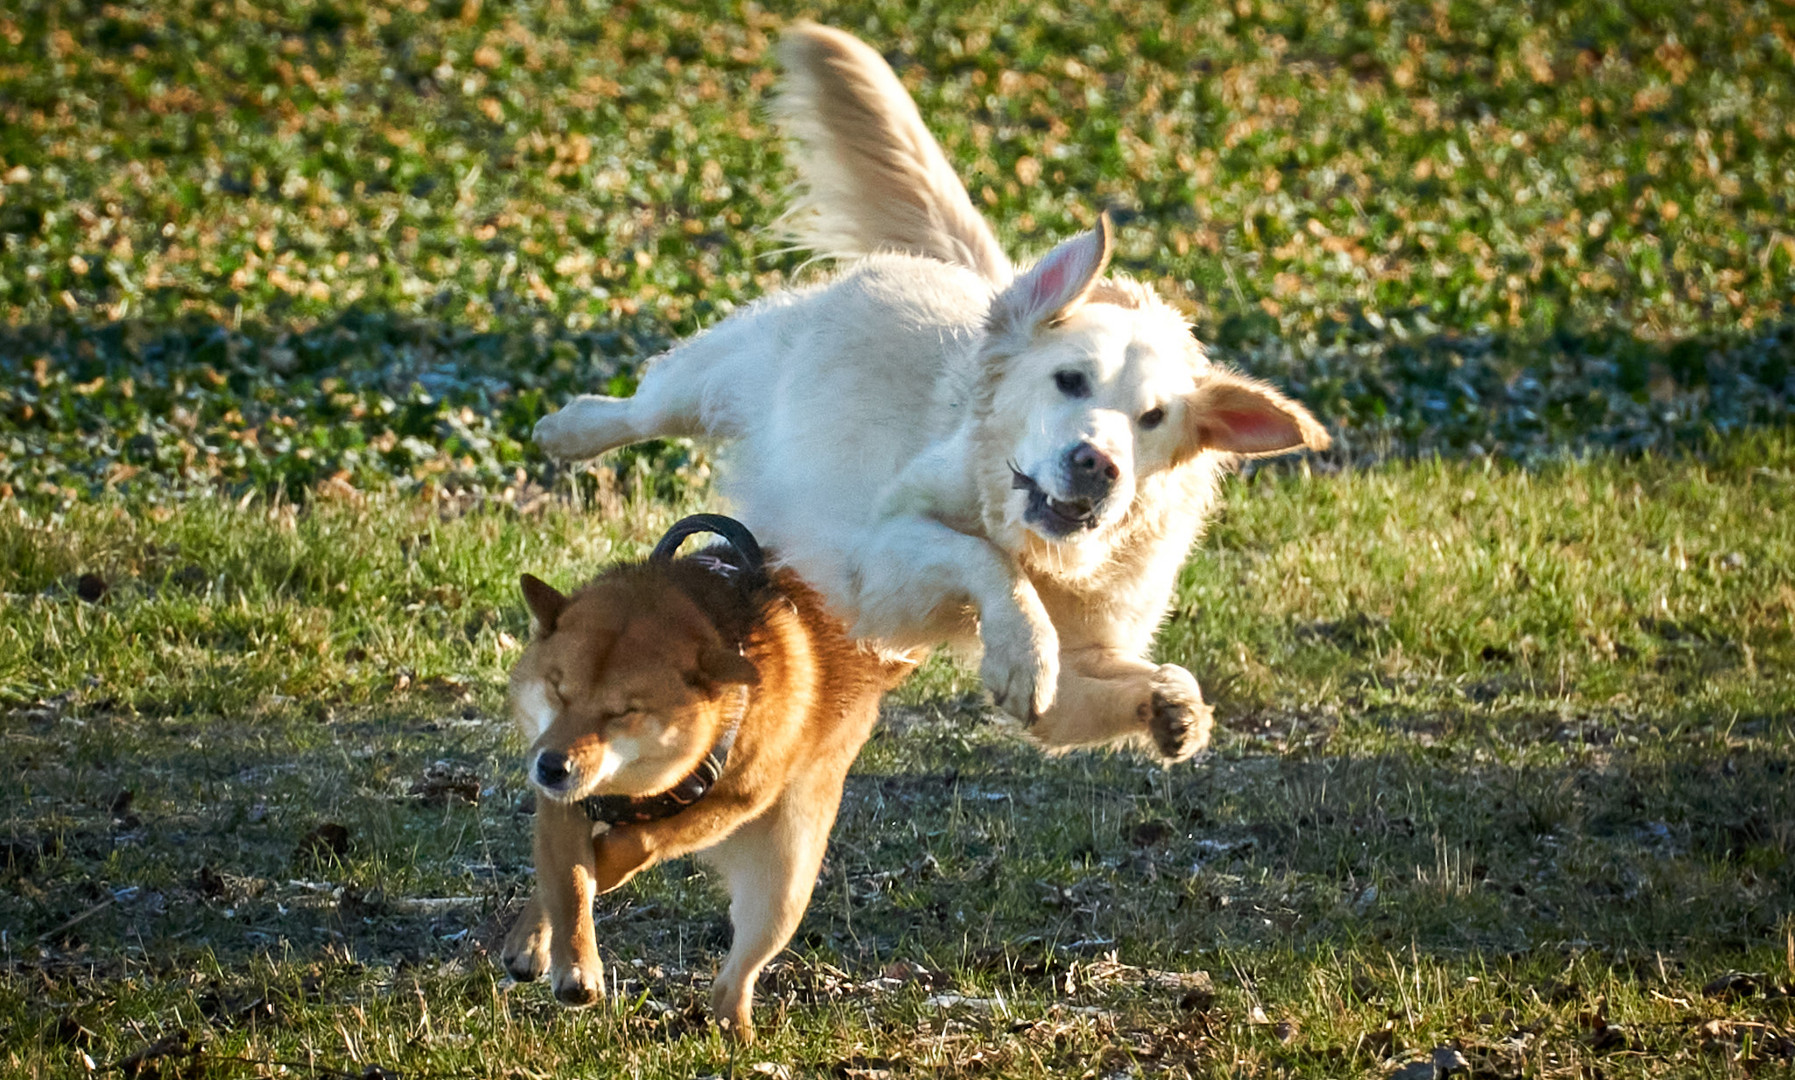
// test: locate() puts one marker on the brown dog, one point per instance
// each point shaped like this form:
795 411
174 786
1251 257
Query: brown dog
701 705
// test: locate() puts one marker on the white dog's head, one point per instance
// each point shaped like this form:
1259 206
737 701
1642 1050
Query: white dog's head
1099 385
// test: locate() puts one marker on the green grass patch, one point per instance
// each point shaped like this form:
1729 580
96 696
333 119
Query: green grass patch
375 241
1502 770
1502 775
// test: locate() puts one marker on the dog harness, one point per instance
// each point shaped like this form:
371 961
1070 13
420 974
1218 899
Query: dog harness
635 809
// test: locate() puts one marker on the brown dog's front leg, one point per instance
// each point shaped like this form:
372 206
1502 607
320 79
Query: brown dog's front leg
620 854
565 874
626 850
525 952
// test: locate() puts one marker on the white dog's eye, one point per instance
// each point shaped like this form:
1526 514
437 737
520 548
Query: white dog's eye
1073 384
1152 418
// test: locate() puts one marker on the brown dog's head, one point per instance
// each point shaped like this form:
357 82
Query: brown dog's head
624 687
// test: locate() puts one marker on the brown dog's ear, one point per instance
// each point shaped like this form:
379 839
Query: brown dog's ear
726 666
1054 287
545 603
1239 415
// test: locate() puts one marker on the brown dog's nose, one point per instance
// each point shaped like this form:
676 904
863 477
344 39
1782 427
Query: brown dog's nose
551 768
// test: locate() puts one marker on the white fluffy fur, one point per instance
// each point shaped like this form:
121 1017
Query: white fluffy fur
873 423
871 178
534 711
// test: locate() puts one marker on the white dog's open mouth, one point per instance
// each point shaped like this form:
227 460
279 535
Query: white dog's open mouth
1054 517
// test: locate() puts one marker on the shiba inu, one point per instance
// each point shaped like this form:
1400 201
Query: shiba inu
701 704
952 451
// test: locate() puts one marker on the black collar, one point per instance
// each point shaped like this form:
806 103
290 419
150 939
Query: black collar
636 809
630 809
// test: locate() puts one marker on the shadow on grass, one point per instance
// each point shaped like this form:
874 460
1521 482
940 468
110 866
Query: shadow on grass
153 841
374 396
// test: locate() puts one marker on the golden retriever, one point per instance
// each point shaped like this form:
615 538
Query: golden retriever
947 449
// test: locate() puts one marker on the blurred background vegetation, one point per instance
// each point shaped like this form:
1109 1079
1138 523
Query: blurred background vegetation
1504 680
279 244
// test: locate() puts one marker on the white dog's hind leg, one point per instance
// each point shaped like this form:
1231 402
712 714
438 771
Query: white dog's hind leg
1106 694
683 392
914 570
668 402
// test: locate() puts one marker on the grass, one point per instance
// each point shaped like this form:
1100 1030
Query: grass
1511 780
1505 680
375 241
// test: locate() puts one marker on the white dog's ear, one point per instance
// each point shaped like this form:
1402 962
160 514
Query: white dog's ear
1054 287
1238 415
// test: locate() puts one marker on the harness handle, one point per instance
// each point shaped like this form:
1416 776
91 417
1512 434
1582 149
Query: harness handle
732 531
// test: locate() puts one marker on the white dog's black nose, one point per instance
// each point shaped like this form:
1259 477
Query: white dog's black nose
1089 460
1091 472
551 768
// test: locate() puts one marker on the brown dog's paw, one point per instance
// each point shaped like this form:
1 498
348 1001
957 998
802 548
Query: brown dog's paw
1177 716
733 1009
524 966
576 988
525 952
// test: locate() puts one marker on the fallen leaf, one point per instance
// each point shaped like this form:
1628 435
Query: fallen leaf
1732 986
1199 992
1447 1060
174 1045
19 855
1381 1042
949 1001
209 882
1605 1037
71 1032
448 781
1149 833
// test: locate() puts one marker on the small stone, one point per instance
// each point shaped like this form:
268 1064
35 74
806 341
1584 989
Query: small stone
1447 1060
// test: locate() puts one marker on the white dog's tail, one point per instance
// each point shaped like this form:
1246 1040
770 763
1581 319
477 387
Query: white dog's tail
870 176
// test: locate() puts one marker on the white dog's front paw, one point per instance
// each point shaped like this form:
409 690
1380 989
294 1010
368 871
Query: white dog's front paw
1176 715
1021 667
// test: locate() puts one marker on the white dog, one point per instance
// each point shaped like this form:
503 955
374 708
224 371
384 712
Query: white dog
945 448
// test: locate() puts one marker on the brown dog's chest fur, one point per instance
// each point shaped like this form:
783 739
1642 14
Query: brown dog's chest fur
813 681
